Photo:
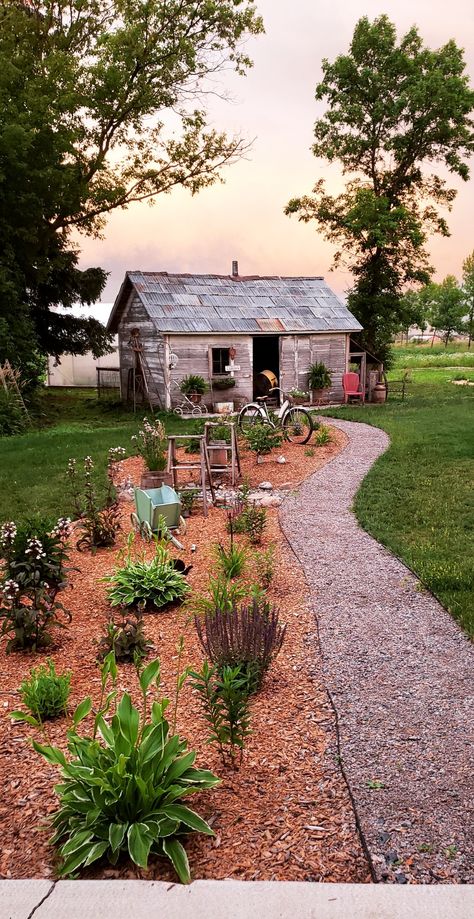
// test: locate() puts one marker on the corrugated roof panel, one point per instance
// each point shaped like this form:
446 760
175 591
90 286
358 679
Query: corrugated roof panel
207 303
270 325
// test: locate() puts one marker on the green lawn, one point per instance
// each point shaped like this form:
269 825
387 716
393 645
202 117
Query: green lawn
455 355
418 498
68 423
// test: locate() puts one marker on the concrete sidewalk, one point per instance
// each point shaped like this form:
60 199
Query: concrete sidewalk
230 900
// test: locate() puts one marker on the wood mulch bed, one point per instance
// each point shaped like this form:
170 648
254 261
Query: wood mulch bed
286 814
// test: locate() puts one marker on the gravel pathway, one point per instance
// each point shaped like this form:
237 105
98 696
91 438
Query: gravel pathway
399 671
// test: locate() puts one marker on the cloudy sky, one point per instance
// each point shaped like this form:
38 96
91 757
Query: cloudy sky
274 105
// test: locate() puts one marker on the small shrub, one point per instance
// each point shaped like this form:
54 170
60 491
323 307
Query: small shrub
309 451
265 565
143 583
193 445
26 617
152 444
231 561
100 529
225 699
146 773
46 692
188 499
322 436
249 635
251 520
262 439
126 638
100 524
220 432
223 594
36 552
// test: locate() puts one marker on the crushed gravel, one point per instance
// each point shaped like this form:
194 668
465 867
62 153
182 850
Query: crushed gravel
400 673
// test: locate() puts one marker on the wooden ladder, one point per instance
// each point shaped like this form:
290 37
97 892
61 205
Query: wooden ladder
136 345
203 465
232 448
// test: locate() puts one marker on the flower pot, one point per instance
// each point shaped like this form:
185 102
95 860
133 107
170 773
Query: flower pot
318 396
218 453
223 408
156 479
195 397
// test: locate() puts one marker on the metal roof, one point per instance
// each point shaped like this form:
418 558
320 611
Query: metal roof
185 303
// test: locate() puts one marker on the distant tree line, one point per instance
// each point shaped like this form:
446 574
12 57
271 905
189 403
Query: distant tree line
447 307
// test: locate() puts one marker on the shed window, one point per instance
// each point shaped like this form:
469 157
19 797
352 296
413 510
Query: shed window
220 360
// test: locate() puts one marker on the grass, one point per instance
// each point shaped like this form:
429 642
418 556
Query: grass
455 355
67 423
418 499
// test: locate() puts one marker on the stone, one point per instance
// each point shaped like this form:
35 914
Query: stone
265 486
270 501
281 460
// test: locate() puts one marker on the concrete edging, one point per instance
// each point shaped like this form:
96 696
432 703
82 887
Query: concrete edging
231 900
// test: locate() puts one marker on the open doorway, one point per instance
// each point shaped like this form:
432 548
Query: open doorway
266 357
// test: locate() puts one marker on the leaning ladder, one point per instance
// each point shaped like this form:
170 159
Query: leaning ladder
204 465
136 345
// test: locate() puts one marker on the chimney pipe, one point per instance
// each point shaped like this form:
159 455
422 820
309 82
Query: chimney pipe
235 269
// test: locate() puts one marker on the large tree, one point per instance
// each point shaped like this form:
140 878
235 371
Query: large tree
395 108
447 307
101 105
468 291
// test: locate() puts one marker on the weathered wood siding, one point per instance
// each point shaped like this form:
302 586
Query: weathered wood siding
297 352
194 356
136 317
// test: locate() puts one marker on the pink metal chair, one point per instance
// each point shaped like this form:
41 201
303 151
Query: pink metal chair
352 387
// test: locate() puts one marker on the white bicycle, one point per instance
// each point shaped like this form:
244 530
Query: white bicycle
295 422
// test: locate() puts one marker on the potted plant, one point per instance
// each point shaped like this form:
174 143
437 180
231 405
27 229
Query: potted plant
223 382
219 439
319 381
193 386
152 444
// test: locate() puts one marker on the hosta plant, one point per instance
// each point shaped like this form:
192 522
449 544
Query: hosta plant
142 583
123 786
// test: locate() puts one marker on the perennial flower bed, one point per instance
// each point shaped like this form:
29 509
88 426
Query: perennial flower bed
285 813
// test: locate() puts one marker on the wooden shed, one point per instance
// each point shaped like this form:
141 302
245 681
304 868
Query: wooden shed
220 325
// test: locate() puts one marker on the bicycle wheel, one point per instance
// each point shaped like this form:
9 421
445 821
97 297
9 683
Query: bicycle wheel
249 416
297 426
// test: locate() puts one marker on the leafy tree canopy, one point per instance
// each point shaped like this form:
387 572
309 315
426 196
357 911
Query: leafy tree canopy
395 108
468 292
447 307
101 105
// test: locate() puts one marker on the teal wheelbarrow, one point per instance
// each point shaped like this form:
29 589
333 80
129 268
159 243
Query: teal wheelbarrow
158 510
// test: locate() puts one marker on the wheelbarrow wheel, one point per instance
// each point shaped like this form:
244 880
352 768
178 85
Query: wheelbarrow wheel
146 531
135 522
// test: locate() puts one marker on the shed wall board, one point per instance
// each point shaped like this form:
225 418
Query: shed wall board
193 357
136 317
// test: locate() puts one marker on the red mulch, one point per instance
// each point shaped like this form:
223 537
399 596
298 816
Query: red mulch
286 815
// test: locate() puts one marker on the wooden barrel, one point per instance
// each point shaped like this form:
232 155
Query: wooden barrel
379 393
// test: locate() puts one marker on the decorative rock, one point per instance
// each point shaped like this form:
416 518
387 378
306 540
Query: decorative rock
270 501
266 486
281 459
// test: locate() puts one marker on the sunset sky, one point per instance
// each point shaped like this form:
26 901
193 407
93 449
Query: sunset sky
243 219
